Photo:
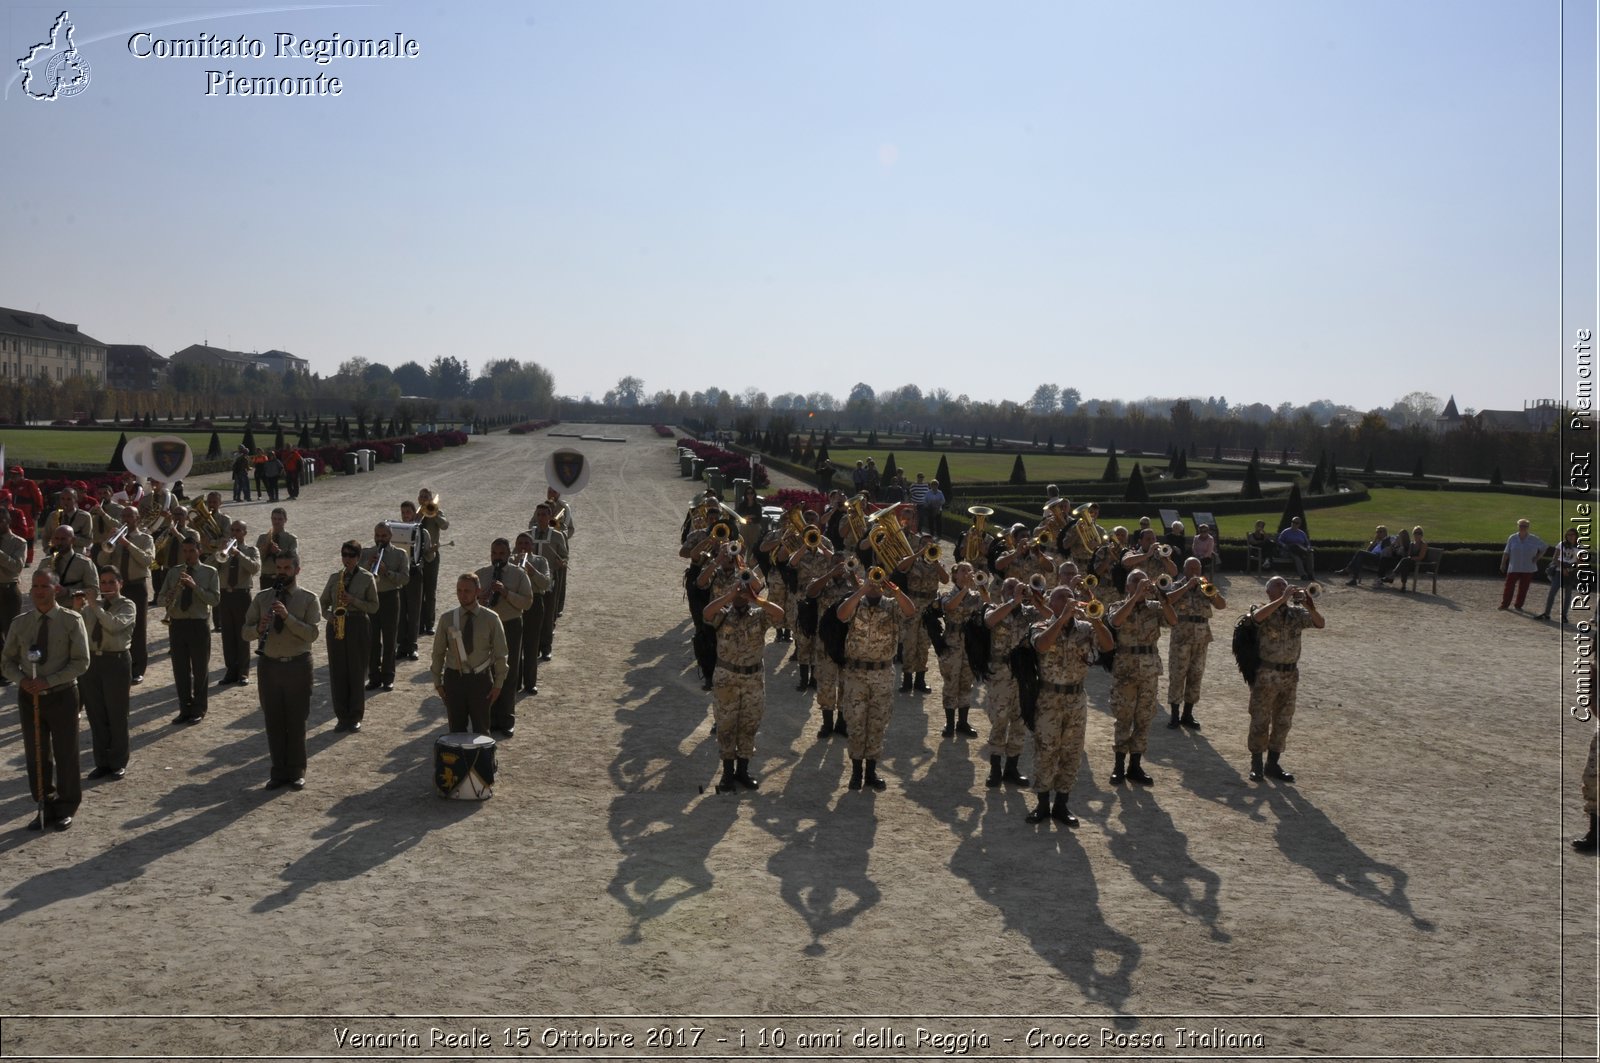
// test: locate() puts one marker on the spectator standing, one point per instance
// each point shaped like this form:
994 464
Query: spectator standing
1518 562
1562 571
933 509
271 470
241 475
292 463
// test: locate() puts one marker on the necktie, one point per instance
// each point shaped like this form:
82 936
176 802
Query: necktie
466 636
186 599
233 572
41 640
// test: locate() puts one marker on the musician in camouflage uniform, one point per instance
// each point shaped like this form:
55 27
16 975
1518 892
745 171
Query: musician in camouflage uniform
1136 675
829 589
1008 623
961 603
1064 642
921 579
740 617
1190 641
874 612
1272 695
1147 557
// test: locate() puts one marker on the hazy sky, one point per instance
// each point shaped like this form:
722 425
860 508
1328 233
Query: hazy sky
1269 201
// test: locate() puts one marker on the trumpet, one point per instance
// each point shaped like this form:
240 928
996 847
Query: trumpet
1044 540
1163 583
430 508
812 538
931 553
1091 581
747 578
1312 589
980 524
981 580
720 531
852 565
1037 583
1094 608
1208 588
876 574
1164 549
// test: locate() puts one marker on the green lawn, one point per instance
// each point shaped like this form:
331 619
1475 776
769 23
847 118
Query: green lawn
95 447
1444 516
982 467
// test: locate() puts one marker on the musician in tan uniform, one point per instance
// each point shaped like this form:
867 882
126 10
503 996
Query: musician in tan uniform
189 594
13 559
73 570
506 590
561 517
284 620
1136 673
132 557
537 569
68 513
434 522
47 698
1272 695
1190 641
391 568
108 620
469 662
740 617
922 579
349 601
1064 639
279 540
237 564
409 627
551 544
874 612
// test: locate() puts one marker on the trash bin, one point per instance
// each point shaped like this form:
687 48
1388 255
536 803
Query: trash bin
308 471
713 479
739 484
366 459
399 453
352 463
698 471
686 462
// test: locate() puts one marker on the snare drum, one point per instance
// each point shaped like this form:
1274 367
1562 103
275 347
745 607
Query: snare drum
463 766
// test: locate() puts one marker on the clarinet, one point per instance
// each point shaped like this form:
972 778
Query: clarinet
499 570
269 623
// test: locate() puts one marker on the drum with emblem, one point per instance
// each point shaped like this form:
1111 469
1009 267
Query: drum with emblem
463 766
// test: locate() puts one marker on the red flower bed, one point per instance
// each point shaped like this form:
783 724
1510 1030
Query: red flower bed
788 497
662 430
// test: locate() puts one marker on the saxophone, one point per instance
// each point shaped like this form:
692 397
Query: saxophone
339 611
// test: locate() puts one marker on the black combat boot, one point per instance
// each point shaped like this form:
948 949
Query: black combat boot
838 725
1187 719
1172 724
1135 771
1061 812
905 682
827 725
725 784
1040 811
1275 770
811 678
1119 770
1011 774
1588 843
921 684
963 727
805 671
1255 767
994 772
742 776
872 777
855 774
949 723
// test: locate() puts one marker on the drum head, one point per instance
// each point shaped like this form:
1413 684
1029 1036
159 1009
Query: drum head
466 740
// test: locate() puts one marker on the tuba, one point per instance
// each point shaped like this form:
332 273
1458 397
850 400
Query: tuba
980 525
888 539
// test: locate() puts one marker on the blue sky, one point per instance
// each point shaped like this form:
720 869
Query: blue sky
1162 198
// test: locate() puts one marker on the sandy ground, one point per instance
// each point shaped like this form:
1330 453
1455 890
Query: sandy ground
1411 895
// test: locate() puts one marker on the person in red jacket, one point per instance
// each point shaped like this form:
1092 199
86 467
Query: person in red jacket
27 502
291 470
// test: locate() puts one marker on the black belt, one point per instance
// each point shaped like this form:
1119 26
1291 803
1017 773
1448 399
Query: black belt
1270 666
108 653
1195 619
1060 688
739 669
286 660
238 590
1136 650
868 666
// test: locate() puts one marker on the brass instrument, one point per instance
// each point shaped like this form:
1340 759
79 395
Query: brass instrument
153 524
931 553
855 515
160 550
1091 581
169 593
888 539
1090 538
117 536
1044 540
1053 522
339 611
720 531
811 538
204 519
1037 583
1164 549
794 528
980 526
852 565
981 580
430 508
1208 588
1312 589
1163 582
876 574
1094 608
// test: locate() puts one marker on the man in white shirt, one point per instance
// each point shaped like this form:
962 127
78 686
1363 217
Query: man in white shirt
1518 562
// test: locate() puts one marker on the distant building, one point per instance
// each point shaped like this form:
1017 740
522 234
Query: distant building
34 345
134 367
281 362
1450 419
199 354
1536 415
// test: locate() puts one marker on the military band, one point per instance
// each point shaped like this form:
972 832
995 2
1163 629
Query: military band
390 567
108 621
505 590
349 602
284 620
45 652
238 564
469 663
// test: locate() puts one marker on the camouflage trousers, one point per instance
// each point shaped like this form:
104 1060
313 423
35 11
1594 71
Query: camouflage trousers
914 644
828 681
1591 786
1186 666
868 698
1271 709
1135 696
1058 740
803 643
778 595
1006 730
957 673
740 701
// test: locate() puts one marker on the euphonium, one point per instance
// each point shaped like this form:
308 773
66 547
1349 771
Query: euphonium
855 515
794 527
888 539
1089 536
203 516
980 525
339 611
